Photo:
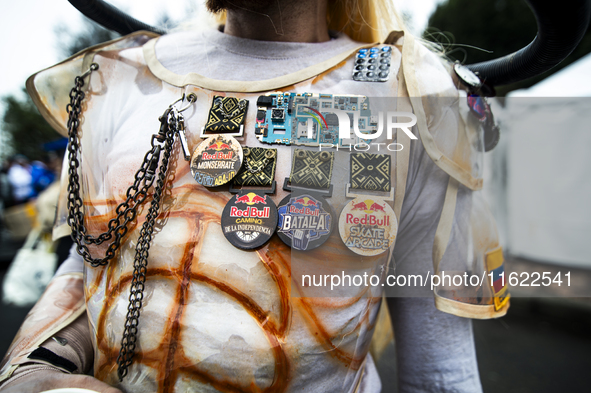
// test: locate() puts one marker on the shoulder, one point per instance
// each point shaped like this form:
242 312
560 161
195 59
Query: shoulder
50 87
433 72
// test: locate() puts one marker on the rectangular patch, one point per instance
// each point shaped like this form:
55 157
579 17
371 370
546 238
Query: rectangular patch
495 265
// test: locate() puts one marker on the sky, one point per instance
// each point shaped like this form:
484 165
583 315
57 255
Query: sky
28 42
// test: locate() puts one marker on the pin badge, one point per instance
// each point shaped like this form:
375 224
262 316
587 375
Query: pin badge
216 160
249 220
368 226
305 221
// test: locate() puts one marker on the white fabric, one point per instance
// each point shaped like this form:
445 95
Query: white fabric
219 56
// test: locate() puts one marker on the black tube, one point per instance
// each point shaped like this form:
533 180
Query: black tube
111 17
561 26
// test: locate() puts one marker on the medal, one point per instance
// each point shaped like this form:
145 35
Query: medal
216 160
249 219
367 224
305 217
305 221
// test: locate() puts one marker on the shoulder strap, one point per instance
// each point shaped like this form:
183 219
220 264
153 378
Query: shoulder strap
403 156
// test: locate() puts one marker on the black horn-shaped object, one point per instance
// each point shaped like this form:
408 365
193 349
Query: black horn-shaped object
560 29
111 17
561 26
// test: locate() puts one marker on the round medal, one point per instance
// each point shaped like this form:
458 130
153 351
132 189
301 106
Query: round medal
216 160
249 220
368 227
305 221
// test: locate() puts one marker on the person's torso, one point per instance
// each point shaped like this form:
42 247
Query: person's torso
214 317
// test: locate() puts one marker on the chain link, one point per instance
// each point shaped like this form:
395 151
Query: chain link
126 211
140 264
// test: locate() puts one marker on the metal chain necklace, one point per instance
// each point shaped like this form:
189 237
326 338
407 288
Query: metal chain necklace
171 123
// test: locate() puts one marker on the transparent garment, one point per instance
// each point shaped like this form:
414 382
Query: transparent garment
61 303
214 318
466 244
50 88
474 285
457 151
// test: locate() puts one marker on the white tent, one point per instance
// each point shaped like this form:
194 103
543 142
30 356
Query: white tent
546 193
572 81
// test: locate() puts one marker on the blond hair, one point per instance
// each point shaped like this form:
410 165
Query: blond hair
362 20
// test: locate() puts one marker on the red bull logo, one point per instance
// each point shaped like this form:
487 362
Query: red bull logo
218 145
217 156
368 206
376 207
359 206
368 219
308 207
251 198
368 227
250 212
305 201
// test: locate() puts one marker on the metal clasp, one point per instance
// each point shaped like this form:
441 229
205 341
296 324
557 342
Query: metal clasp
191 97
180 122
93 67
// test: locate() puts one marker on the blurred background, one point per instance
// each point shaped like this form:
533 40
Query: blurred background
542 345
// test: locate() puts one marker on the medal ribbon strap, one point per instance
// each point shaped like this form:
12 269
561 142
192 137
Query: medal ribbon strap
311 169
226 114
258 168
370 172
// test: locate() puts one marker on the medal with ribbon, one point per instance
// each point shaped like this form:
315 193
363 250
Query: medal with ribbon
305 217
250 216
219 157
367 224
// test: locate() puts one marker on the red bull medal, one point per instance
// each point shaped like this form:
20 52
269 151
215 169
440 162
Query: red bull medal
249 220
368 226
216 160
305 221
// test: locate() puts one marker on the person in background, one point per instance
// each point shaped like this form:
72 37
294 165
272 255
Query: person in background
41 176
6 199
21 180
